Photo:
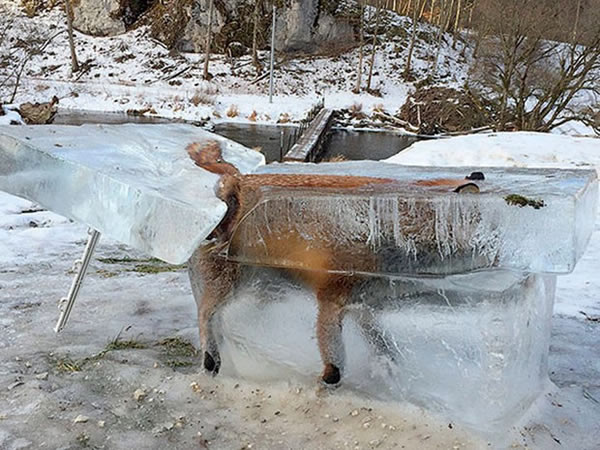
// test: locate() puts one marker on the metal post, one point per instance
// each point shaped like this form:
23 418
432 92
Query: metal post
66 303
272 55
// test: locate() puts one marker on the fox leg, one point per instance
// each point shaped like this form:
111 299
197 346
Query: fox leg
332 297
207 307
218 278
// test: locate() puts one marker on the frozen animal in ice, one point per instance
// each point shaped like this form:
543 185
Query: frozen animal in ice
241 193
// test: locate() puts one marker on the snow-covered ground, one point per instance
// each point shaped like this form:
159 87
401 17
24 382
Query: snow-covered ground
132 71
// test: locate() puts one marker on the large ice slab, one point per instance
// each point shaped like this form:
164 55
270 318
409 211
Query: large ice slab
133 183
414 225
472 348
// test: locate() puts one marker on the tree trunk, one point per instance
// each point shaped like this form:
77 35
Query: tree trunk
412 41
449 16
471 14
443 12
576 24
422 11
377 16
208 39
361 47
69 12
456 24
255 61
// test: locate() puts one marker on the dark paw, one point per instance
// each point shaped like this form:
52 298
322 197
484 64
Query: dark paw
331 374
210 364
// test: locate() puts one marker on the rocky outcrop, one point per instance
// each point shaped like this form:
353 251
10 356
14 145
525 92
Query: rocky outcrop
302 25
313 25
98 18
107 17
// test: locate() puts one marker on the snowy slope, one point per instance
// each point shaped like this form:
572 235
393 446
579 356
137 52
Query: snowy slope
133 71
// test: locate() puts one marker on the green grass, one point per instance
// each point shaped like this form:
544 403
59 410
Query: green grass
520 201
174 364
149 268
67 365
177 347
141 265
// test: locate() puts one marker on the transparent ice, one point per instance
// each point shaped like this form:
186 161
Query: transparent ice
451 309
133 183
409 227
472 348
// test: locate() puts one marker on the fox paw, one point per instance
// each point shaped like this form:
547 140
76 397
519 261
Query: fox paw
211 364
331 375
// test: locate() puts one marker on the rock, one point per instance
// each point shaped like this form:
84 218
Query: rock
42 376
38 113
302 25
98 18
101 423
313 25
139 395
81 419
168 426
108 17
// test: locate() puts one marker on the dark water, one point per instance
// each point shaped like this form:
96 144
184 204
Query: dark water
376 145
74 117
352 145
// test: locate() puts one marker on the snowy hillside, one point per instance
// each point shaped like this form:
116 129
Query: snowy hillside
134 72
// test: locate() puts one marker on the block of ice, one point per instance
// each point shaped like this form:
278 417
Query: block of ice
472 348
534 220
133 183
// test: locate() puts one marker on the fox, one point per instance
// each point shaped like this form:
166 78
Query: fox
240 193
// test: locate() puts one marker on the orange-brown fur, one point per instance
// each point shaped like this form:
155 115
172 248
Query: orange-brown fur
241 193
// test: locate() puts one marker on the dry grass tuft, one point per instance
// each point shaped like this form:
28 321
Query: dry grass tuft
356 111
232 111
284 118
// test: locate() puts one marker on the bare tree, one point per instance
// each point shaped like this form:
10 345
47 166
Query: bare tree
69 14
255 61
413 37
444 13
531 82
456 23
374 46
206 75
359 69
576 23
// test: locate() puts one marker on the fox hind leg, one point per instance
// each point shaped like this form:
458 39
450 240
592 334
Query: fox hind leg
217 278
332 298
